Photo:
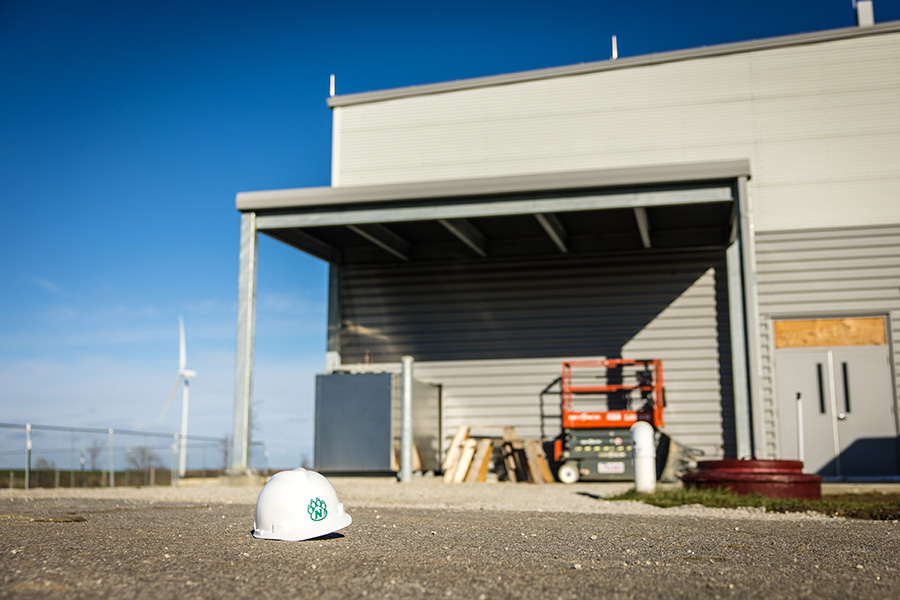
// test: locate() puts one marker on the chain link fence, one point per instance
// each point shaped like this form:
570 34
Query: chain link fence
57 456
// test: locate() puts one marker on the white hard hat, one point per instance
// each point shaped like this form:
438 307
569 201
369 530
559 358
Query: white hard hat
298 505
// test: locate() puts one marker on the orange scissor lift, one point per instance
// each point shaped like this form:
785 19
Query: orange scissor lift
595 445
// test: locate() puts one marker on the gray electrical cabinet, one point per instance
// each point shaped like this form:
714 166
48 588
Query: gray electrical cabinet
358 420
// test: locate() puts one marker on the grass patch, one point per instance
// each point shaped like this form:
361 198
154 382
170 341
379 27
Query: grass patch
882 507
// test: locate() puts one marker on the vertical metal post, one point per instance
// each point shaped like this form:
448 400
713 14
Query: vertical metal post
333 346
27 455
112 459
72 461
246 319
174 479
83 483
182 451
747 231
127 466
737 325
406 430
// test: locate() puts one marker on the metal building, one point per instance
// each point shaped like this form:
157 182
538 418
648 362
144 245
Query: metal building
732 210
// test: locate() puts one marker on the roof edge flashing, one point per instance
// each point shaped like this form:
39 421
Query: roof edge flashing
620 63
541 183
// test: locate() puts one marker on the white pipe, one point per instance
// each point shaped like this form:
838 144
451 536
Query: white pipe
406 430
865 13
799 427
642 436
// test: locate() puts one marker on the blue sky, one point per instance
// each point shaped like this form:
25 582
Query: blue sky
127 128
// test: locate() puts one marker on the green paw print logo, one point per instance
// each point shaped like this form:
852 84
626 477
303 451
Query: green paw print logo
316 509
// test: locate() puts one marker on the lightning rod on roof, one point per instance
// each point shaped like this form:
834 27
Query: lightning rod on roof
615 48
331 87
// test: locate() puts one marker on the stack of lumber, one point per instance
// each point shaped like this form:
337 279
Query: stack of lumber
469 458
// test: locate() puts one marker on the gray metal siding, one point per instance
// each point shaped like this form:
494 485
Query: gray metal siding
824 272
494 334
819 123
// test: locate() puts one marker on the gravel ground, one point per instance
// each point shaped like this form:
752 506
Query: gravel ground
427 539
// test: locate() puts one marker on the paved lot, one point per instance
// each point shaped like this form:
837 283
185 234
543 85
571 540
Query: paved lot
426 539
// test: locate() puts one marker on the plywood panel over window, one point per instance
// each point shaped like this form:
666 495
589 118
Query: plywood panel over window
821 333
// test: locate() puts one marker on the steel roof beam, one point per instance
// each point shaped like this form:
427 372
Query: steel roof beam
554 229
313 245
467 234
733 220
496 208
485 188
643 223
384 238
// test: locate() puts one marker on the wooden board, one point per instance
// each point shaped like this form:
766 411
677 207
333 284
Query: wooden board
542 462
395 458
465 459
823 333
480 463
514 456
454 452
533 460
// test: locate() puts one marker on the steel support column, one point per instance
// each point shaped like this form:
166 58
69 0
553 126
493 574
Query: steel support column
747 236
246 321
738 325
406 420
333 347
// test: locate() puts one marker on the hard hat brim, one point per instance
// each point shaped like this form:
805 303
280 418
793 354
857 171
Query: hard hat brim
307 533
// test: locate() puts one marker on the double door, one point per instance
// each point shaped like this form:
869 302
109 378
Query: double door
836 410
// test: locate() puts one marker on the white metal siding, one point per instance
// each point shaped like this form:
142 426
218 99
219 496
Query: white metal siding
814 273
819 122
495 334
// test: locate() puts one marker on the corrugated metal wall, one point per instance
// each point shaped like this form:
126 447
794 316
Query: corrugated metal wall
819 123
825 272
494 334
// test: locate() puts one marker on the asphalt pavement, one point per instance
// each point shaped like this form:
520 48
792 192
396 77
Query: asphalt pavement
430 540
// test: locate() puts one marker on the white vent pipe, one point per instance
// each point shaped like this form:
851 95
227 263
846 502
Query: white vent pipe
642 436
865 13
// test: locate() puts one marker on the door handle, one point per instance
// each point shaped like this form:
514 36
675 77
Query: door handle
819 380
846 388
842 417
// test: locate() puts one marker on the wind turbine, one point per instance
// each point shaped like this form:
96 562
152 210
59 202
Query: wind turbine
184 377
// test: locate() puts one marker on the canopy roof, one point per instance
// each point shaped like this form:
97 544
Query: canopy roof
580 212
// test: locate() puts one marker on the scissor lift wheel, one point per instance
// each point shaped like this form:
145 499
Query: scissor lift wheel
568 473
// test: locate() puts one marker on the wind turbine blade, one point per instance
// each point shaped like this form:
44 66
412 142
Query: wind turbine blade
182 351
171 395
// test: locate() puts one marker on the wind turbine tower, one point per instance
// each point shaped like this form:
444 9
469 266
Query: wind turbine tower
183 378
